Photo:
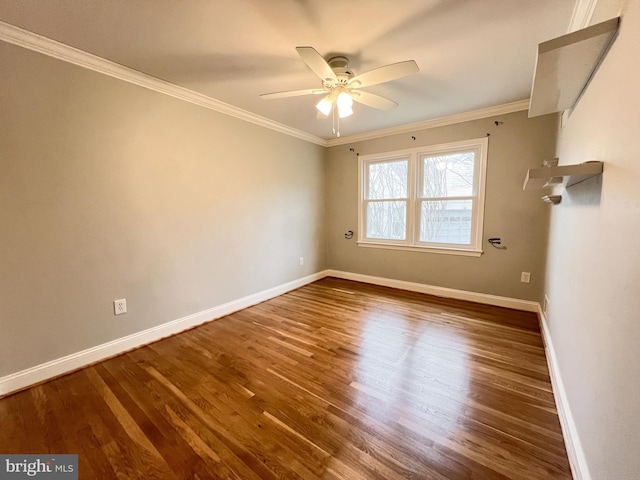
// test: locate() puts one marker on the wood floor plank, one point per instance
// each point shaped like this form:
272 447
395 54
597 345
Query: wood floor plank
334 380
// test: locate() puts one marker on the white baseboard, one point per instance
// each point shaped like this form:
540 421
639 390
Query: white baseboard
577 459
579 468
483 298
69 363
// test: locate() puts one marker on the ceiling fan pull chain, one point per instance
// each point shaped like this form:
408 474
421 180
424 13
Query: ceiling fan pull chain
341 87
333 120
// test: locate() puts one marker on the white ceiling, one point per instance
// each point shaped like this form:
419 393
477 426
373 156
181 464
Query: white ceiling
472 54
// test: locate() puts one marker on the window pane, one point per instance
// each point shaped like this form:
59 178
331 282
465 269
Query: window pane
388 180
446 221
449 175
387 220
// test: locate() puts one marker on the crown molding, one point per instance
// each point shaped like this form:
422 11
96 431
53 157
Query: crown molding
46 46
435 122
582 14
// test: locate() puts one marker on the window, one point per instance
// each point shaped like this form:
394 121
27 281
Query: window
427 199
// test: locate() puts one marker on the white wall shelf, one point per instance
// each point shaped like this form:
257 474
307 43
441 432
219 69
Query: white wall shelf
566 175
566 64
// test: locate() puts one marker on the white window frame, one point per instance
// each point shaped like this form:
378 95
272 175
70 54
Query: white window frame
412 236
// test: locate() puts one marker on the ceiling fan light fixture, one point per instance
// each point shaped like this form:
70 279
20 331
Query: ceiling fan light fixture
345 112
324 106
344 100
341 86
345 104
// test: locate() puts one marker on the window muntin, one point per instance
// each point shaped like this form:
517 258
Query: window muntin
426 198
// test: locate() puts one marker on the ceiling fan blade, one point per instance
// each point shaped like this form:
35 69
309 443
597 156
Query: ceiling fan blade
373 100
293 93
384 74
316 63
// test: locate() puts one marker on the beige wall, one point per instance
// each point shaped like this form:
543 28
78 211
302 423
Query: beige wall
109 190
519 218
594 260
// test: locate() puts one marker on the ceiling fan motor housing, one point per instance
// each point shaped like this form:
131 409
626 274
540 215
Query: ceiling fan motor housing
340 66
340 85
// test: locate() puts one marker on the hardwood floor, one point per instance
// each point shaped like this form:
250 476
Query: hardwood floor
336 380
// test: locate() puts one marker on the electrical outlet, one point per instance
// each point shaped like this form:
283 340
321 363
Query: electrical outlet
120 306
525 277
301 260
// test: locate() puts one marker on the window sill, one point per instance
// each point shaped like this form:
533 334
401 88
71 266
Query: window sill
413 248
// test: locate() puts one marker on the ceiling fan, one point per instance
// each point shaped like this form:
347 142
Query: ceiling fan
341 87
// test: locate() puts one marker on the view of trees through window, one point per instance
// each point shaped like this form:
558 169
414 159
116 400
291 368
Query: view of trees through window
424 197
446 204
388 188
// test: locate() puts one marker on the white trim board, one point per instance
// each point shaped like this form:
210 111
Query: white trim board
582 14
577 458
37 43
46 371
434 123
484 298
46 46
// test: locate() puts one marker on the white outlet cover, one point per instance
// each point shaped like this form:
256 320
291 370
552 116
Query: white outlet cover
120 306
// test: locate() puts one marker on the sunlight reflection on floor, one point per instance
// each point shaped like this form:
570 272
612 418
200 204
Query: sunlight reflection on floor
415 371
